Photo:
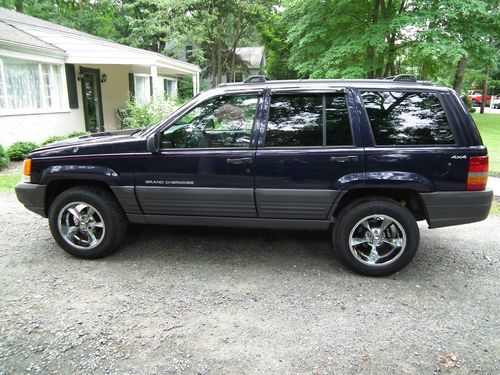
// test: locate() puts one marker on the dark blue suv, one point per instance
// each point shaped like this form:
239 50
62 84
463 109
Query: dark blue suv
366 159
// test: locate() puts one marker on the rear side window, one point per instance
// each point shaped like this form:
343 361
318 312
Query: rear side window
308 120
407 118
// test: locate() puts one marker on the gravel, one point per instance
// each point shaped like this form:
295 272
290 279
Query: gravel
210 301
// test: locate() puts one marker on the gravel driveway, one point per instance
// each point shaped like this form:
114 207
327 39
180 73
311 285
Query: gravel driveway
211 301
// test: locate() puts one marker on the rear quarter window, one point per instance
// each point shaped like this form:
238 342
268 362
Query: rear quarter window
407 118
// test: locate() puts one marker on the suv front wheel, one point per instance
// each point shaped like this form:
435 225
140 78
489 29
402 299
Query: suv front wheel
376 236
87 222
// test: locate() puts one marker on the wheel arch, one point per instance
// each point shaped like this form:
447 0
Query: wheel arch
406 198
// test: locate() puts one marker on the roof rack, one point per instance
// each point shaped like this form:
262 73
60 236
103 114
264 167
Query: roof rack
256 79
402 77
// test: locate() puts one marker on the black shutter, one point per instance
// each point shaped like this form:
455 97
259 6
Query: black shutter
131 86
165 86
71 84
151 86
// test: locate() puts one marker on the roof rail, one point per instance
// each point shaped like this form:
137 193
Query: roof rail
402 77
256 79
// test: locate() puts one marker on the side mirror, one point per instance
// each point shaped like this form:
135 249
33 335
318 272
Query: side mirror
153 143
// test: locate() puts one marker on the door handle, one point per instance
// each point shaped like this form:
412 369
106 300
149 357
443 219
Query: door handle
344 159
239 161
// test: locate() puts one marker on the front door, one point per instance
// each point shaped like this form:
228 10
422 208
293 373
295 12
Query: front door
92 100
206 163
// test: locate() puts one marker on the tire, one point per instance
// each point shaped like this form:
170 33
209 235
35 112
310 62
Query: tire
384 246
91 218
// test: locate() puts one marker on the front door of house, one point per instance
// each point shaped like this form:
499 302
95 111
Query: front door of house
92 100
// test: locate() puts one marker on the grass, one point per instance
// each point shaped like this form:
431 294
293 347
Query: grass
489 127
8 181
495 208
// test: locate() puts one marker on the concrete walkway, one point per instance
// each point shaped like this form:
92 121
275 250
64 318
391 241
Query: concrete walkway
494 184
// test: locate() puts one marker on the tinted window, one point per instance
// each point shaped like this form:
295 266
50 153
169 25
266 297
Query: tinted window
406 118
219 122
295 120
338 128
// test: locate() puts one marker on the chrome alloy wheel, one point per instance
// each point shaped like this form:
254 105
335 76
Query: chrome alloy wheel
377 240
81 225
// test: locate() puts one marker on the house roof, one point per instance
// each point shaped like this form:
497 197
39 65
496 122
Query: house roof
80 47
251 56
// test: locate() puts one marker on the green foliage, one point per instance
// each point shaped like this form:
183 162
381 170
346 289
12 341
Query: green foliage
19 150
98 17
77 134
9 181
4 158
185 88
52 139
489 127
57 138
139 116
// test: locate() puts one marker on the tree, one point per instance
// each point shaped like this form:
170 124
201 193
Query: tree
97 17
215 27
345 38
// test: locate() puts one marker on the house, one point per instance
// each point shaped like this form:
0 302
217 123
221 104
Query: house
55 80
248 61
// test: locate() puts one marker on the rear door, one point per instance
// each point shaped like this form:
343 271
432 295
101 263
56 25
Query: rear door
416 141
308 150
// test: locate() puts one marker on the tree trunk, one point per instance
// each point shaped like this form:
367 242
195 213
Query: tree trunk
485 88
19 5
214 68
370 51
459 75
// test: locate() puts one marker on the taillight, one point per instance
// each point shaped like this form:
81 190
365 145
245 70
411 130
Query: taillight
478 173
26 171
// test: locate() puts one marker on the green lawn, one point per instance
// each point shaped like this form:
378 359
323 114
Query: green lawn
8 181
489 127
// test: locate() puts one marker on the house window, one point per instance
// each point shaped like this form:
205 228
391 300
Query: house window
26 84
189 54
142 89
168 87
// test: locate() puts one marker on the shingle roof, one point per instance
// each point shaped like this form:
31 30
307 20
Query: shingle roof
12 35
12 17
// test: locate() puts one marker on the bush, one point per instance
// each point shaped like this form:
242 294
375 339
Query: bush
4 158
76 134
139 116
52 139
19 150
468 104
57 138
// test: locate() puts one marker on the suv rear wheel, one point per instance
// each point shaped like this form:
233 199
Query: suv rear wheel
87 222
376 236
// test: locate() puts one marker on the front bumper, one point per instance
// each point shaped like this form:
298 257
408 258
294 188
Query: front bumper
32 196
456 207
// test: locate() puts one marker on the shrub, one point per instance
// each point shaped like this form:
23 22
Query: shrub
57 138
76 134
19 150
468 104
139 116
52 139
4 158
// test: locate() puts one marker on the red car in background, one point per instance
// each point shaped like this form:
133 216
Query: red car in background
475 96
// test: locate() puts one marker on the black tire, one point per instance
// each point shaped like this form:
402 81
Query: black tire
84 200
388 257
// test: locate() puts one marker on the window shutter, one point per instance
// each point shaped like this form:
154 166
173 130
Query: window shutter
131 86
165 86
151 86
71 84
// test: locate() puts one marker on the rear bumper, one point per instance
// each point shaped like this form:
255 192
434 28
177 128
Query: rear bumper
456 207
32 196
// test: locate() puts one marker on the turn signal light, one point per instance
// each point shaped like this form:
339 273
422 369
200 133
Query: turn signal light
26 170
478 173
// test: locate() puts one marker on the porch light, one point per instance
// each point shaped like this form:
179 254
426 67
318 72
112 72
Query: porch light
104 78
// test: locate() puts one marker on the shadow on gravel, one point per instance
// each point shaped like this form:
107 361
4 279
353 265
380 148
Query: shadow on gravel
227 245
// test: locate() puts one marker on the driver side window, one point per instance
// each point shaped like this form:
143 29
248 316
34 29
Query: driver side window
224 121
